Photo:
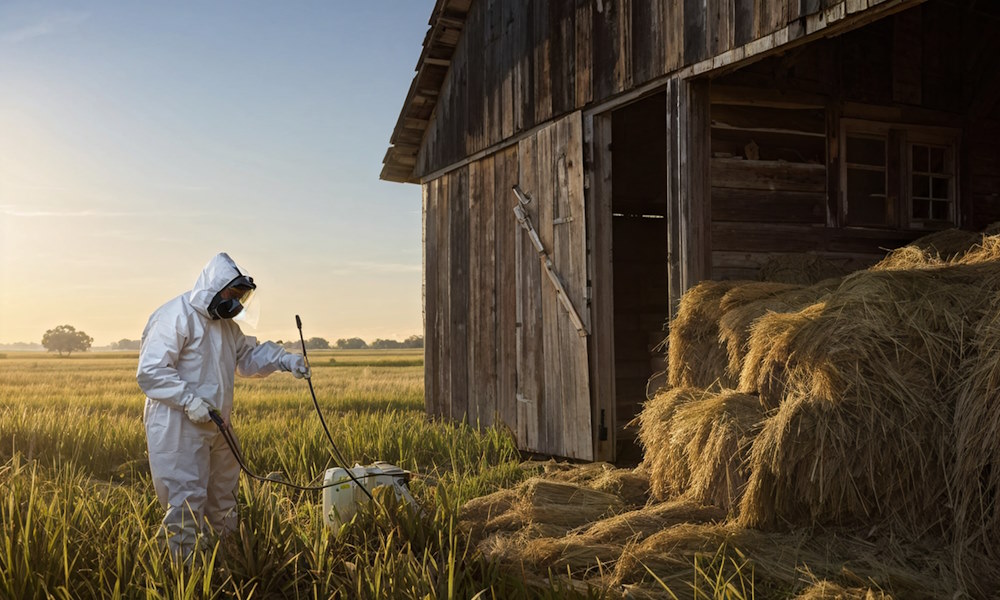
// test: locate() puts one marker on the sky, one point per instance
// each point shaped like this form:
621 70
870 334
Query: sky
139 139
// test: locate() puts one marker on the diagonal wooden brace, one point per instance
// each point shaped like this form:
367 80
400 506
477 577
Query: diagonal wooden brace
525 221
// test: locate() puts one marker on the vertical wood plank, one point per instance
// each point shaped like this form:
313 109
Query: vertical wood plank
606 47
623 63
695 38
743 21
545 195
688 197
648 40
598 155
475 101
443 314
494 72
571 264
673 22
519 28
506 175
482 290
542 68
508 58
431 366
562 56
673 173
720 15
459 301
529 313
584 53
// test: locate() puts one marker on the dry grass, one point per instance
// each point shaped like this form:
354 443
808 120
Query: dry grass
696 358
827 590
781 565
735 325
862 430
631 485
930 250
773 347
700 444
664 456
976 476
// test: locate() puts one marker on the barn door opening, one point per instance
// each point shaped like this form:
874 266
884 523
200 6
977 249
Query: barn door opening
553 384
638 159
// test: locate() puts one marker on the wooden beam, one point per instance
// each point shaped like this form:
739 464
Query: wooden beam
688 192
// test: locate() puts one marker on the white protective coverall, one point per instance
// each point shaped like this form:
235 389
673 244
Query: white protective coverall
185 354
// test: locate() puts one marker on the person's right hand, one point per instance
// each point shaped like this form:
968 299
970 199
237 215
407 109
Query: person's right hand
197 411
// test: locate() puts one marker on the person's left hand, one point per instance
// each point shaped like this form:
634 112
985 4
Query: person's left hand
297 366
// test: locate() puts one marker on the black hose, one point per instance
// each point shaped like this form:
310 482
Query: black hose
234 447
312 392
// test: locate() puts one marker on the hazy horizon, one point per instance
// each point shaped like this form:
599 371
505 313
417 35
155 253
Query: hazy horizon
141 139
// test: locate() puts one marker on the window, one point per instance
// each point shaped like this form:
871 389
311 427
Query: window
898 176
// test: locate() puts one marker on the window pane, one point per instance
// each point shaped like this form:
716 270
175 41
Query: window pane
937 160
921 186
866 151
940 188
920 158
866 202
941 211
921 209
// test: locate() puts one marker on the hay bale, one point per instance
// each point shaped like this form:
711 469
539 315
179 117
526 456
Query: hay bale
720 432
931 250
697 442
664 457
631 485
741 309
803 269
564 504
987 251
772 348
862 431
975 482
695 356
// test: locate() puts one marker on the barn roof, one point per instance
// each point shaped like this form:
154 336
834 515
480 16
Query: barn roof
445 28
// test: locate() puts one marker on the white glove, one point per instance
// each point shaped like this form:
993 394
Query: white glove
197 411
296 365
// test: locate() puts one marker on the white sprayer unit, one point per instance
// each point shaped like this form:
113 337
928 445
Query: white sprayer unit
341 501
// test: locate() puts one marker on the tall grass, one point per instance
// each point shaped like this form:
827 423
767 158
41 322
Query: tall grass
80 517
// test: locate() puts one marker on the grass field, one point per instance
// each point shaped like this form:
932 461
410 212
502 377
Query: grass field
80 516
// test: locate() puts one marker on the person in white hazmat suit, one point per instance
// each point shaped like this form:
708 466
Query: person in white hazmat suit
191 350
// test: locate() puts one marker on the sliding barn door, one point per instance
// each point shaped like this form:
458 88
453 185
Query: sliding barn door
553 387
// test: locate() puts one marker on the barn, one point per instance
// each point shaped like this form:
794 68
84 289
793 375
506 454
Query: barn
584 162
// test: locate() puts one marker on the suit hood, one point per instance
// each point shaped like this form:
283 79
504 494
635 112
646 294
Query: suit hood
220 271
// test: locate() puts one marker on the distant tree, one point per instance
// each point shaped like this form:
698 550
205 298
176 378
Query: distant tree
126 344
317 343
381 344
351 344
414 341
65 338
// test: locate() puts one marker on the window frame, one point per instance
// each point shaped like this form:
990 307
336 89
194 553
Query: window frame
900 138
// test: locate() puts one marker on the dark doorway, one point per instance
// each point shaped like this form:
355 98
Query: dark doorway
639 230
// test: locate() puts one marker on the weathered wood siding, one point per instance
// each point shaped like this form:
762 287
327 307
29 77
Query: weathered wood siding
775 133
520 63
500 348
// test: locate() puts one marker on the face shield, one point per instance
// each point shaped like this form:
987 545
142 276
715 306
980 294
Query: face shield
230 301
250 315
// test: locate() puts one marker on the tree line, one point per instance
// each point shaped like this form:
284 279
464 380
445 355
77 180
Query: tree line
65 338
